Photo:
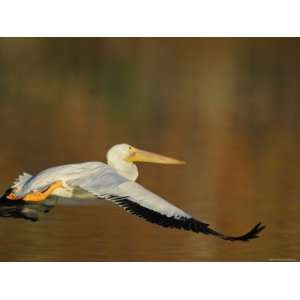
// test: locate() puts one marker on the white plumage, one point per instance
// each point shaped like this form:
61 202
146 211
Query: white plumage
114 182
99 180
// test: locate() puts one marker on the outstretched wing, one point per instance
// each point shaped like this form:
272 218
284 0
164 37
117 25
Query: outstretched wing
141 202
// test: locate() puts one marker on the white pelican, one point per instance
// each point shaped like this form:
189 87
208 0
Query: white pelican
29 196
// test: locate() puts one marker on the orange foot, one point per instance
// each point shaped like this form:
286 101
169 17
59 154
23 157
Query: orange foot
12 196
40 196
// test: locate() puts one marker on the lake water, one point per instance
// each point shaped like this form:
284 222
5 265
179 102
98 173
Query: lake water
229 107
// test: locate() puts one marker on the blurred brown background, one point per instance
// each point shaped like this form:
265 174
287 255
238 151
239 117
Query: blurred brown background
229 107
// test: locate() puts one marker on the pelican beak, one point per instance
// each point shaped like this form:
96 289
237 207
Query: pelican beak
138 155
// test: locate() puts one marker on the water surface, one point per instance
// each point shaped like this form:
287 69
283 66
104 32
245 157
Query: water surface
229 107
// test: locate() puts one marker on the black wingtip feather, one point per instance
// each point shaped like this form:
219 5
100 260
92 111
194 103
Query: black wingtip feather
252 234
189 224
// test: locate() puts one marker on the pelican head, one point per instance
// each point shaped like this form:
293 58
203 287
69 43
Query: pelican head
123 156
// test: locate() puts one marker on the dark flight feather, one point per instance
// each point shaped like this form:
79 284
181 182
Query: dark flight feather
189 224
32 211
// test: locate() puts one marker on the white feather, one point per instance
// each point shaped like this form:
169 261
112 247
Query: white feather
20 181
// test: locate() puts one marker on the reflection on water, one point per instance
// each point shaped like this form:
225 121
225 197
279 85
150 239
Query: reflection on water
229 107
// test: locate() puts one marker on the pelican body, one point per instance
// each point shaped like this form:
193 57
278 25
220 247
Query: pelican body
31 195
